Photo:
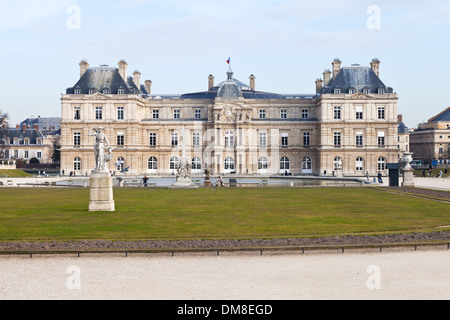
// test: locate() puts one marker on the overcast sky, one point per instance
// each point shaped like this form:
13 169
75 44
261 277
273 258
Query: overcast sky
286 44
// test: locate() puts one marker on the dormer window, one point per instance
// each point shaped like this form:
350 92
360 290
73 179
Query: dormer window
381 91
91 90
106 91
120 91
352 91
337 91
366 90
77 91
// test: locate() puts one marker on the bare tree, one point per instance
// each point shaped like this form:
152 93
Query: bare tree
3 127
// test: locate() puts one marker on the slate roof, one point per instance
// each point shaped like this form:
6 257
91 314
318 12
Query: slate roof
357 77
444 116
105 77
43 122
31 134
402 128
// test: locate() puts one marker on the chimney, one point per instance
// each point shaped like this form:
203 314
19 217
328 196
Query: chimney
375 64
252 82
137 79
24 128
326 77
84 66
336 67
148 86
210 82
400 118
319 84
17 126
36 127
123 69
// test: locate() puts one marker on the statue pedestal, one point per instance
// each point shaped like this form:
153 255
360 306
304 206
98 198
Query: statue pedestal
101 192
207 183
183 183
408 177
339 173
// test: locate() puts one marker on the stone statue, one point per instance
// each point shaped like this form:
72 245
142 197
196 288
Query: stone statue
207 175
102 149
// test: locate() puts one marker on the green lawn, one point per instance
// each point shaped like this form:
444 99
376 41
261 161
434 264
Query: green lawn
13 174
162 214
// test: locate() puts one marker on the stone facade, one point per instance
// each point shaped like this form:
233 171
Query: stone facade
431 140
231 127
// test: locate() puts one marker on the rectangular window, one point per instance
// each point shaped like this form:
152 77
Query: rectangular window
98 113
76 113
262 139
283 114
26 154
174 138
196 139
262 114
120 139
305 114
284 139
337 139
359 113
77 138
16 154
306 139
26 142
155 114
381 113
359 139
197 114
381 139
337 113
176 114
6 154
120 113
39 155
152 139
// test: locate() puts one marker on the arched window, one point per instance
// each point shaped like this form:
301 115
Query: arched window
284 163
173 163
359 165
381 164
120 164
337 163
77 164
196 163
306 164
262 163
229 164
152 163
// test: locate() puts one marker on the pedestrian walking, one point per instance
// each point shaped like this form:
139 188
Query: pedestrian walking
145 181
221 181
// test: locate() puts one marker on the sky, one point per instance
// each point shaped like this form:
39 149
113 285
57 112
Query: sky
177 44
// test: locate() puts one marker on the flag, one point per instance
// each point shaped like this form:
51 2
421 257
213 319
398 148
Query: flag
229 60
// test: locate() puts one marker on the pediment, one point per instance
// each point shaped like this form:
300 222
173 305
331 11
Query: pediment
97 96
361 96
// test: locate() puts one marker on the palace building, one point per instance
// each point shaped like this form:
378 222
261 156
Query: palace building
350 122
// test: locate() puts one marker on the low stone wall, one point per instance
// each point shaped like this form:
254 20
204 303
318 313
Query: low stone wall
7 165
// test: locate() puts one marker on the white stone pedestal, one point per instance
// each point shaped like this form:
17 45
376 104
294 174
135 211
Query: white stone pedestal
408 177
339 173
101 195
183 183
